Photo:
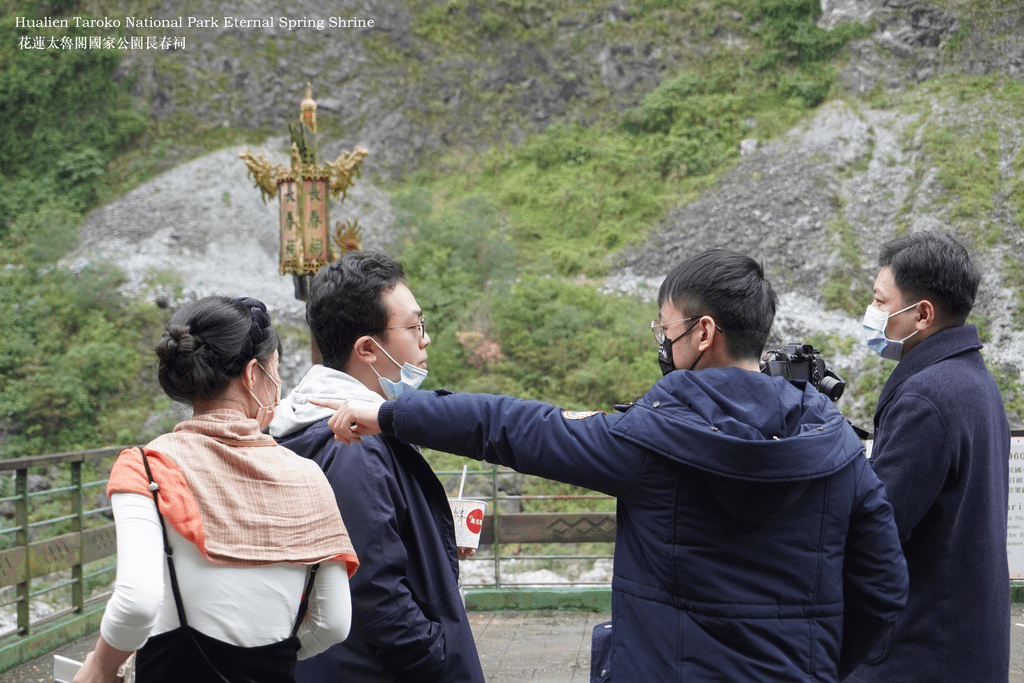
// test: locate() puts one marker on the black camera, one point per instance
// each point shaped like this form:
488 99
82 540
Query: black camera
802 361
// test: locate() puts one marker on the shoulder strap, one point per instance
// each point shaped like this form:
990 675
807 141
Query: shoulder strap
154 487
304 605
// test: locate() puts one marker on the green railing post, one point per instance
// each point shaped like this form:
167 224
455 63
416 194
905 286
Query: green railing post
496 544
38 548
78 524
21 539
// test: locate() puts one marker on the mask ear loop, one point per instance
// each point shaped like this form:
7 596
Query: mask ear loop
272 406
397 364
277 383
888 317
379 376
699 355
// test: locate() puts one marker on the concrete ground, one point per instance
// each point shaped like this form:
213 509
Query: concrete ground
540 647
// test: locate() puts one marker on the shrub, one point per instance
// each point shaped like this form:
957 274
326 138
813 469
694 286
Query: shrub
53 101
789 33
46 233
73 351
79 174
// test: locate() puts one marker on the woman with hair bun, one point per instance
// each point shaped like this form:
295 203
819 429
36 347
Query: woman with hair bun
221 574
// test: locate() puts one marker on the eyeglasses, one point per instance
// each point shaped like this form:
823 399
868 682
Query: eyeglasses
422 325
659 328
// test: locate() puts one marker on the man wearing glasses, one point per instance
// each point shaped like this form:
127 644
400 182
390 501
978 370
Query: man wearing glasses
408 619
753 540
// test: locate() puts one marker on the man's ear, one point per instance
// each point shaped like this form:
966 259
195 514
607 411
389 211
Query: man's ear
926 315
707 332
364 350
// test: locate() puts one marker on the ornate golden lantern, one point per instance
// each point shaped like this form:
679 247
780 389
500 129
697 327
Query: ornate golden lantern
304 192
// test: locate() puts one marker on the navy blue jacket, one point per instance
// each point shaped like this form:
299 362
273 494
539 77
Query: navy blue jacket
753 541
408 619
942 448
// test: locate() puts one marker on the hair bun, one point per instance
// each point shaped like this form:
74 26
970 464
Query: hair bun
177 341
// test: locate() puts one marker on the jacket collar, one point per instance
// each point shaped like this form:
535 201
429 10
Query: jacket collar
942 345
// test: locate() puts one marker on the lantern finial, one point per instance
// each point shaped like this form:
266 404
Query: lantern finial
308 108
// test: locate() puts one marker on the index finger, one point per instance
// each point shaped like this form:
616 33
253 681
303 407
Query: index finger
325 403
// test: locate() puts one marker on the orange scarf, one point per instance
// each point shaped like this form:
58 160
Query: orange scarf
237 495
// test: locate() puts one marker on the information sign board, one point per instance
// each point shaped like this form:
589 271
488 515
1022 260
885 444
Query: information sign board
1015 508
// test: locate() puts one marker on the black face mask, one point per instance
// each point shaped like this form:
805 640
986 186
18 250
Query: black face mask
665 361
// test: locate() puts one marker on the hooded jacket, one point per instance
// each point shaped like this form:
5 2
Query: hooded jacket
753 541
942 448
409 623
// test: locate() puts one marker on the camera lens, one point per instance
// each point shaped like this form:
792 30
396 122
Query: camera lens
832 387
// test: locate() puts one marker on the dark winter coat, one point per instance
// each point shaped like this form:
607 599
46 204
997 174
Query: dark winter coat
408 619
753 541
942 448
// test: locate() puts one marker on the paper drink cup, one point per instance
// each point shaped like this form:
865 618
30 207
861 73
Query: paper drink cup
469 521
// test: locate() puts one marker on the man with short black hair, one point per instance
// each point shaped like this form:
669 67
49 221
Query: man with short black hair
753 541
941 447
409 623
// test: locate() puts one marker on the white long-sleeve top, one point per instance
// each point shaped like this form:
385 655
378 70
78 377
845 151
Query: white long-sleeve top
245 606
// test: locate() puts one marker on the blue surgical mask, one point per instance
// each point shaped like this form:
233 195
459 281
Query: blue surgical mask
875 322
412 377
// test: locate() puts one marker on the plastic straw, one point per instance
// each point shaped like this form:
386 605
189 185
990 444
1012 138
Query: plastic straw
463 483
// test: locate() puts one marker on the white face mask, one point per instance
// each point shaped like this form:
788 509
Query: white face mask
265 414
412 377
875 322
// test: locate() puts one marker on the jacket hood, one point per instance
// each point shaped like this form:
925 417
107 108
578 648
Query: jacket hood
295 412
759 440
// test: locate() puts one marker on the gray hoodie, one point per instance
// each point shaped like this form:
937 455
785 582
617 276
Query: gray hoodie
296 412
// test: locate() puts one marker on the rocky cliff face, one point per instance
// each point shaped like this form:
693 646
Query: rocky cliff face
390 86
815 204
392 89
907 45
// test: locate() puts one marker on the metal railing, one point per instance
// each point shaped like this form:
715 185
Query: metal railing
54 543
59 545
559 531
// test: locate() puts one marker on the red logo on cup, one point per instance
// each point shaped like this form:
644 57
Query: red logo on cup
475 521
